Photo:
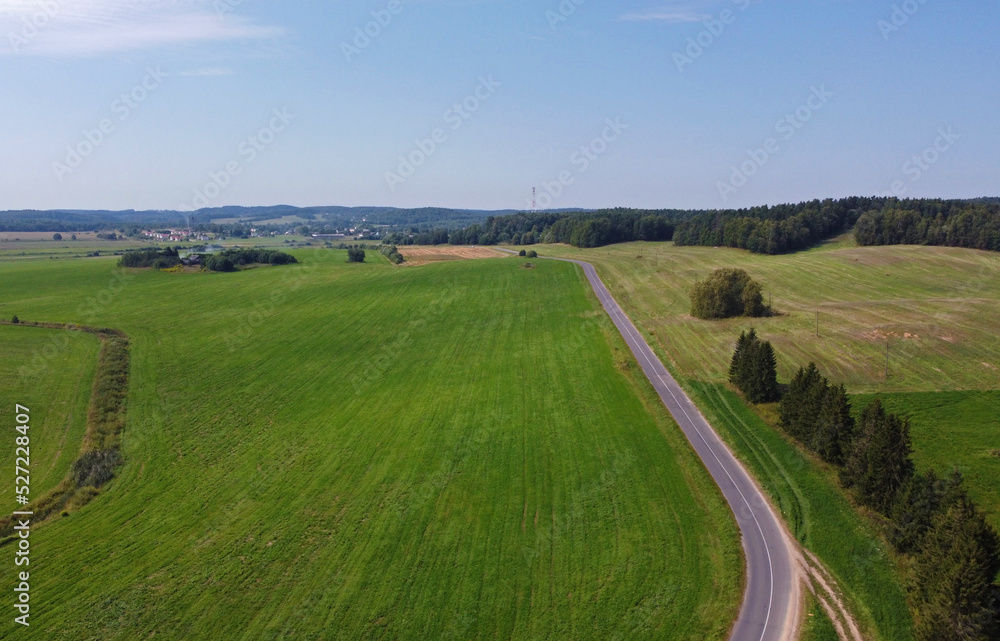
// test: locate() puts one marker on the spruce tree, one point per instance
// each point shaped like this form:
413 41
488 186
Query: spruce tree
765 375
879 463
954 576
834 426
742 366
754 369
736 366
801 406
914 511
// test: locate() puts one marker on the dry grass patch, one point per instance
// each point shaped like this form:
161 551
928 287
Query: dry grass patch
417 256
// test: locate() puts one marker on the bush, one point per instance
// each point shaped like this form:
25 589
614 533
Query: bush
150 258
522 253
56 236
355 255
96 468
728 293
532 254
15 320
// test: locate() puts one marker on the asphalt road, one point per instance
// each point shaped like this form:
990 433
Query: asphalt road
769 605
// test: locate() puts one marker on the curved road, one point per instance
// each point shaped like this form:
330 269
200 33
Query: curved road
770 604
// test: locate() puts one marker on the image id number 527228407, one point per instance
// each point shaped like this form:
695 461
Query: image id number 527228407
22 489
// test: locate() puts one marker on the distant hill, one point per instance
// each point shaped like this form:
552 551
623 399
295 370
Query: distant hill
95 220
75 220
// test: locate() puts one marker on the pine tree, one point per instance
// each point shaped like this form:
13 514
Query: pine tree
834 426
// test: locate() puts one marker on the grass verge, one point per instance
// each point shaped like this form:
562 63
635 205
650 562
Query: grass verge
818 514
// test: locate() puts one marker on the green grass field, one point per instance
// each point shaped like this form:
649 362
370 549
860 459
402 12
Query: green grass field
51 372
330 451
936 307
955 431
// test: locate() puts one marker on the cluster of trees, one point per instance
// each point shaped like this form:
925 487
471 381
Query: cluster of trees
774 230
355 255
392 253
951 223
528 253
154 258
728 293
232 259
818 415
754 369
953 553
226 261
580 229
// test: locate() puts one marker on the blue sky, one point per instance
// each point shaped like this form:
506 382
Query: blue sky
177 104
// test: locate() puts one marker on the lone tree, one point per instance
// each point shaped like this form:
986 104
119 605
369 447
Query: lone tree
56 236
355 255
728 293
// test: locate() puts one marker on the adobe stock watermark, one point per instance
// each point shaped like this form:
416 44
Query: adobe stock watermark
365 35
456 116
32 25
698 44
787 128
122 108
916 167
562 13
225 7
900 17
248 151
581 160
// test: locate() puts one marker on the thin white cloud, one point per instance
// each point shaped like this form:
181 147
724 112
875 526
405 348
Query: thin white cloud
74 28
204 73
674 11
667 16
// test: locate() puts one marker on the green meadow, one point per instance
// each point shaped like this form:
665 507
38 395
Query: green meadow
334 451
51 372
955 431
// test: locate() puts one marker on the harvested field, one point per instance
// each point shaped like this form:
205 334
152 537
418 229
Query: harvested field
417 256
